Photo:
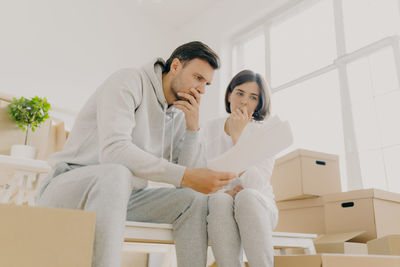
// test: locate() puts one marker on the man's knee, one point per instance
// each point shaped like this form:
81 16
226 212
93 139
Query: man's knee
115 178
188 197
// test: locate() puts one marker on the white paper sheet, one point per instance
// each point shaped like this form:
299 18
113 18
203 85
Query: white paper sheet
255 142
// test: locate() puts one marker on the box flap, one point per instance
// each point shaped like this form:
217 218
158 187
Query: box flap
305 153
388 237
337 238
362 194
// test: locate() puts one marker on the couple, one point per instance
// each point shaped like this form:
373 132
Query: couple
143 124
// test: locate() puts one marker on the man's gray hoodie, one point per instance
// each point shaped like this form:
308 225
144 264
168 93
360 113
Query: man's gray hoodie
127 121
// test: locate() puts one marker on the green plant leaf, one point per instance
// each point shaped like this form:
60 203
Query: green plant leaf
29 113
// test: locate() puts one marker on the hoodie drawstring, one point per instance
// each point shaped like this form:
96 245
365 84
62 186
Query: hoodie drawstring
172 138
171 114
163 132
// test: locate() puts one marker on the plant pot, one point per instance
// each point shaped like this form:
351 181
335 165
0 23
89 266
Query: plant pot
23 151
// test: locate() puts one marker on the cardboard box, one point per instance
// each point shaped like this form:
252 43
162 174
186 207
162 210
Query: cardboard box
388 245
376 212
303 173
45 237
337 260
340 243
301 216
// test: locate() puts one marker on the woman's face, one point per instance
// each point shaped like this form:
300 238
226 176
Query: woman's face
245 95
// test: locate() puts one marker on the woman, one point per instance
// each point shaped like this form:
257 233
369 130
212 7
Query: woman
244 214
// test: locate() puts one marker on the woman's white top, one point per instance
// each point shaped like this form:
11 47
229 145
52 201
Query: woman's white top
257 176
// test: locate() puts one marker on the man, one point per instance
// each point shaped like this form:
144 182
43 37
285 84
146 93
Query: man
122 137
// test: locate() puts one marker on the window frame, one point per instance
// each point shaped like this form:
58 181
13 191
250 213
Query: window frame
353 167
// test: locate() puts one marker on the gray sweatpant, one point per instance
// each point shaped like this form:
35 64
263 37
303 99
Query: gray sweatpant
245 220
109 190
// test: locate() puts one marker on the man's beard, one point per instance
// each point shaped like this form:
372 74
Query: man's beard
176 84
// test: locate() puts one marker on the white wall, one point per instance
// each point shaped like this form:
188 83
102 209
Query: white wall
64 49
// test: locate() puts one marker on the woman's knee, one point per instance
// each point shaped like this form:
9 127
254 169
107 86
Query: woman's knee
220 204
246 200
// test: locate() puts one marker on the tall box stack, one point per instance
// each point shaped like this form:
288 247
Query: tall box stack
299 180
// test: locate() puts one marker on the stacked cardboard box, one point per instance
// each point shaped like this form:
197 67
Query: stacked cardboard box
299 180
304 174
376 212
45 237
388 245
309 198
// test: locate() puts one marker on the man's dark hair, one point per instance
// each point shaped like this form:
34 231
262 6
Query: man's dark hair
263 108
192 50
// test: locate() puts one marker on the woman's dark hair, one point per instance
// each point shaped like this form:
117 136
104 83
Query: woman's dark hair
192 50
263 109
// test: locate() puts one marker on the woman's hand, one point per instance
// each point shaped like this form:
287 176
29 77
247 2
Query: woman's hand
238 119
234 191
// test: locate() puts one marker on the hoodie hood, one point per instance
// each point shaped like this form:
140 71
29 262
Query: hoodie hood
154 72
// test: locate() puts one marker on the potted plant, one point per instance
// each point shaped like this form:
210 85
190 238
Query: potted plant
28 114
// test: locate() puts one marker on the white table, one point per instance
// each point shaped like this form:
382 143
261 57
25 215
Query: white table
25 174
157 238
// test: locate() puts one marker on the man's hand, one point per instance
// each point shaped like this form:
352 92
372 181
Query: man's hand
190 107
234 191
238 119
205 180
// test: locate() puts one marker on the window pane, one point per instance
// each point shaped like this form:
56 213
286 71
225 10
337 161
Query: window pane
392 164
367 21
383 71
302 43
372 169
254 54
375 97
366 126
388 113
314 112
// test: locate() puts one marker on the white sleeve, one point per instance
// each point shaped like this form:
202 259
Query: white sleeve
258 175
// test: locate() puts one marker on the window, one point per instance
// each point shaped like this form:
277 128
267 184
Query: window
334 68
367 21
302 43
254 54
250 54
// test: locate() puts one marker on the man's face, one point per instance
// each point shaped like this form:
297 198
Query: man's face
196 73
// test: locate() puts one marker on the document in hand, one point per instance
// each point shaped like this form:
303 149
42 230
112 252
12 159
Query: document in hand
256 142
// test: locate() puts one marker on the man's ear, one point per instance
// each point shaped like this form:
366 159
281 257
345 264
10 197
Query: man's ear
176 65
